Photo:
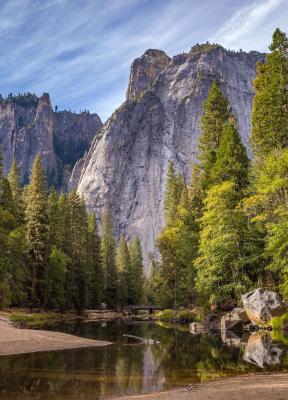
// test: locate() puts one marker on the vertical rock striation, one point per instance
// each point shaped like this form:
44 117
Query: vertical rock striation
125 168
28 125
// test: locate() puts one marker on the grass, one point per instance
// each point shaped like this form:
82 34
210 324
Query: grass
35 320
182 316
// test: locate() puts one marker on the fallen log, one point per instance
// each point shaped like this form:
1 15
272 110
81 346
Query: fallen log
141 340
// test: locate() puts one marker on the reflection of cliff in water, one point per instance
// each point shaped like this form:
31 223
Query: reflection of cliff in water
261 351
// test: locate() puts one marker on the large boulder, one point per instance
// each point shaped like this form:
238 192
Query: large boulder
261 351
234 320
261 305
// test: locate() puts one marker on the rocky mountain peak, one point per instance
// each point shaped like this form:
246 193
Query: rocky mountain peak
125 168
145 70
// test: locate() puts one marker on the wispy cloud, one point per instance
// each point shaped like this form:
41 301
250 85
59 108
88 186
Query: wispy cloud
81 51
245 22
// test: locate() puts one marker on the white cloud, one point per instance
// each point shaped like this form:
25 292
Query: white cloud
245 22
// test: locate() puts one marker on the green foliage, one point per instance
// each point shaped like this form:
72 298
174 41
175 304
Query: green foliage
123 264
108 261
270 105
36 218
177 244
95 263
279 323
215 115
231 159
136 285
220 272
54 286
267 210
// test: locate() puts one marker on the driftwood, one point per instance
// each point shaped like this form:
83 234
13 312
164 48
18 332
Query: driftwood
141 340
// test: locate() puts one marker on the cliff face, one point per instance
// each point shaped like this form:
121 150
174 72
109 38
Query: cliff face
125 168
28 125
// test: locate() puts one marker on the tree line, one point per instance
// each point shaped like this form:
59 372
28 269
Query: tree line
226 232
52 255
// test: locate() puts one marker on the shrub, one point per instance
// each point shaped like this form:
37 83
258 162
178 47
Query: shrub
279 323
186 316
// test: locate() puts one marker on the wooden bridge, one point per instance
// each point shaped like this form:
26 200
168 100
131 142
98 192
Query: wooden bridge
147 307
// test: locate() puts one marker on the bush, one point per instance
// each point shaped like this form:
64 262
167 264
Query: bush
186 316
279 323
166 315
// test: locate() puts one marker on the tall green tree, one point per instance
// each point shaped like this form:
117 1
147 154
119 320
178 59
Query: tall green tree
14 181
267 210
220 265
37 231
95 262
270 104
78 280
215 115
231 158
123 264
137 279
177 244
108 255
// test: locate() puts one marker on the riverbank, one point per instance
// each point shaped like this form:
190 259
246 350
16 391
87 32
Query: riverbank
264 387
19 341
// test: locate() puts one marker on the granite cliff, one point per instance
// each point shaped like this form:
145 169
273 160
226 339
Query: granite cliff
29 125
125 168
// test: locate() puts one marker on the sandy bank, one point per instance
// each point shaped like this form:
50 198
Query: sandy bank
264 387
18 341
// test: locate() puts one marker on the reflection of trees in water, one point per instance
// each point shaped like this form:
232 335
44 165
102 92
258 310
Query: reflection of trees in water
86 374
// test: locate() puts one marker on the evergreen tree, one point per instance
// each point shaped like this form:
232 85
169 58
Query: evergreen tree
220 272
267 210
95 262
54 289
79 283
172 193
177 244
37 231
55 220
108 261
123 264
136 287
231 158
14 181
215 115
270 104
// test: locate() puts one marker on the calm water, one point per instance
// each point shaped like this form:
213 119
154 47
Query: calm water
89 374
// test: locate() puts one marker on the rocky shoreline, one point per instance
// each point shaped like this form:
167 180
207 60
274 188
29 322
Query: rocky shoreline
20 341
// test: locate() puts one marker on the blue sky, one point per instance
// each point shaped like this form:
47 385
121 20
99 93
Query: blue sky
80 51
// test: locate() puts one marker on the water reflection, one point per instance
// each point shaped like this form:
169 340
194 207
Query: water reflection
261 351
90 374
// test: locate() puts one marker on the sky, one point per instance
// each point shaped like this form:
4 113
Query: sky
80 51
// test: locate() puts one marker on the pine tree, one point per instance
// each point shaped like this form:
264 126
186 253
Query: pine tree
172 193
270 105
108 261
267 210
136 288
37 231
79 283
123 264
177 244
231 158
95 262
54 288
220 273
14 181
215 115
55 219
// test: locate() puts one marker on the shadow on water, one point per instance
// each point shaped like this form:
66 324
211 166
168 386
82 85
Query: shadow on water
180 359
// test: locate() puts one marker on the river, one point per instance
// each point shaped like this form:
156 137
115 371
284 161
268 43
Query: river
181 359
